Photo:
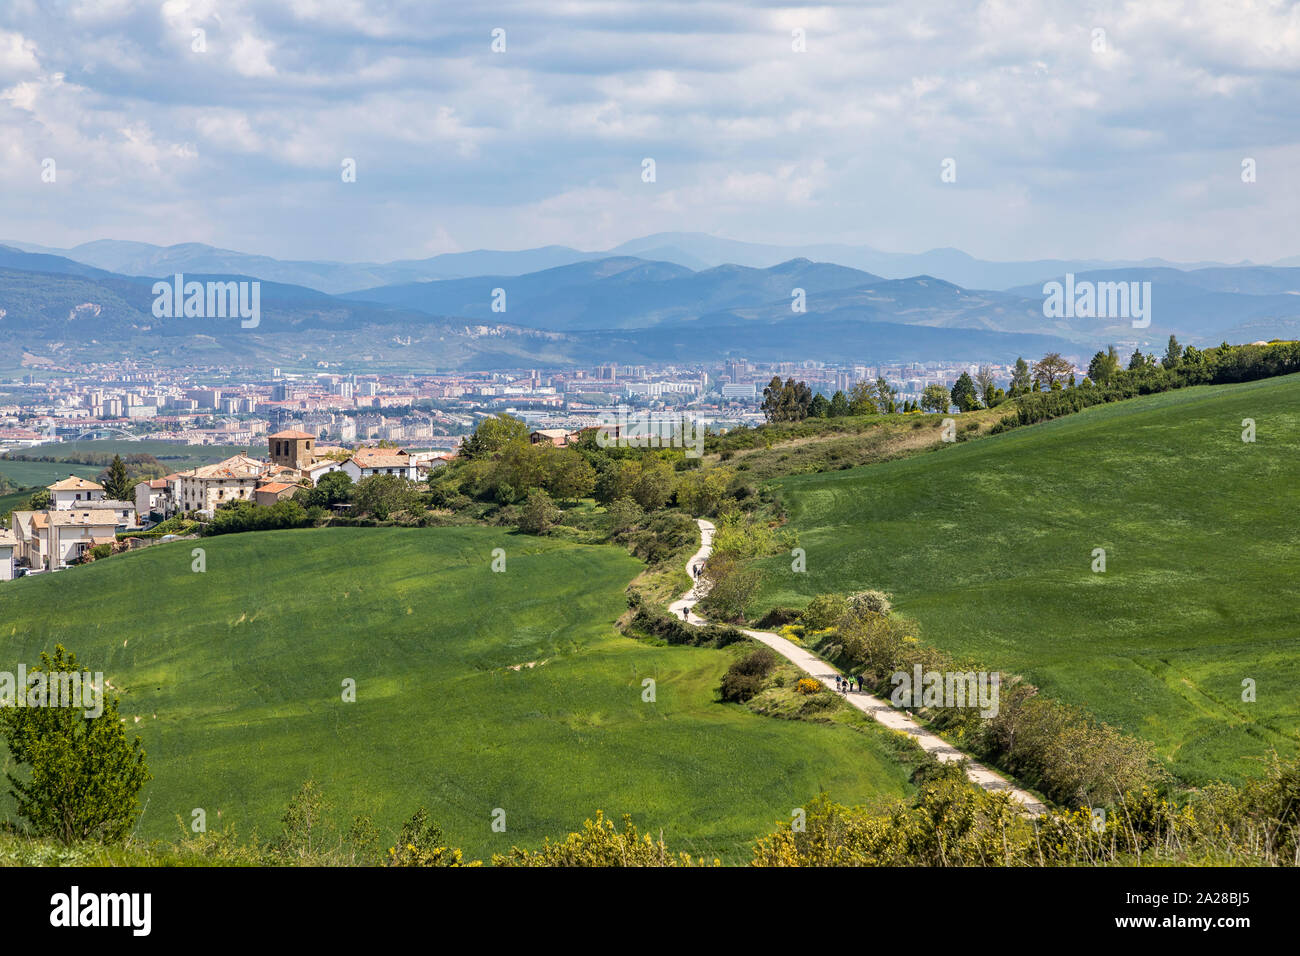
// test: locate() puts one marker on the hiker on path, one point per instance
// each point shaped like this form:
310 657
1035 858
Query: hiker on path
859 683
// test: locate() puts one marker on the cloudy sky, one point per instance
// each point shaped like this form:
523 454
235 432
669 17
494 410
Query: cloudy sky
1076 129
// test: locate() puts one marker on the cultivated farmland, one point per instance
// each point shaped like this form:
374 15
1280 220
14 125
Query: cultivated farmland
989 546
474 690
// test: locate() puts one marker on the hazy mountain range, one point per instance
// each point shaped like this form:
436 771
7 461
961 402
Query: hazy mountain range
695 251
627 308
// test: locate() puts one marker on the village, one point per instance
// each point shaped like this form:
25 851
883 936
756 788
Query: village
80 516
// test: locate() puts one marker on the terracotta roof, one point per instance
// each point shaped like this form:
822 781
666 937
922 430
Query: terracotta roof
240 467
275 487
73 483
290 433
381 458
76 517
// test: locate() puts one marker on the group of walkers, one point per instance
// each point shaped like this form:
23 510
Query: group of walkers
845 684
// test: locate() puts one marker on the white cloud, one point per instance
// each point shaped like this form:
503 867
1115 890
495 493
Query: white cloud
249 56
17 55
544 142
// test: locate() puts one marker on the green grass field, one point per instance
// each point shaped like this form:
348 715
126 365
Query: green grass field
16 499
173 456
988 546
236 676
27 474
178 456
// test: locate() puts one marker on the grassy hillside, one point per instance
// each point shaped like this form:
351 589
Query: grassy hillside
173 456
988 545
233 678
170 453
27 474
15 499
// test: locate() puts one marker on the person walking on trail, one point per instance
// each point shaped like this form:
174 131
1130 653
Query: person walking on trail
859 683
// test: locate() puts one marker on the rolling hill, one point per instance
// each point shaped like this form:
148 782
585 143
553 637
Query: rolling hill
63 318
622 308
989 546
693 250
619 293
474 690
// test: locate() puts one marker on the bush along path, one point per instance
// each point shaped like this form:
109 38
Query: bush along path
867 703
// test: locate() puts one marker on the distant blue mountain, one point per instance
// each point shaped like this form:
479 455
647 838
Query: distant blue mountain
620 308
617 293
694 251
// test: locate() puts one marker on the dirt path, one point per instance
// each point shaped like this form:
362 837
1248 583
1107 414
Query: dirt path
867 703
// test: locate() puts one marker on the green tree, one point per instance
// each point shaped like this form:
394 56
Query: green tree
622 515
772 405
616 480
655 483
786 402
732 585
493 434
820 407
862 399
333 488
1020 377
116 484
1051 369
935 398
700 492
539 513
986 384
839 406
886 396
83 778
306 830
41 500
383 496
1104 366
963 393
1173 353
569 476
519 465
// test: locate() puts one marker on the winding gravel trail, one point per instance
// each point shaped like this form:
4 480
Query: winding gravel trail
867 703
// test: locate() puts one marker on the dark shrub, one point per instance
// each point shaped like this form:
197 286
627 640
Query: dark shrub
745 677
778 617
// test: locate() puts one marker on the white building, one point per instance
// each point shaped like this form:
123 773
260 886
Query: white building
206 488
73 491
8 544
366 462
151 496
55 539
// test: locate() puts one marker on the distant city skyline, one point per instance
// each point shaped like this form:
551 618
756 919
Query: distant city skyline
1008 130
